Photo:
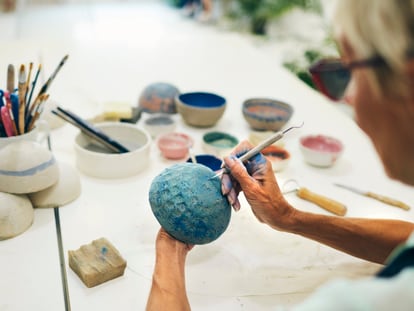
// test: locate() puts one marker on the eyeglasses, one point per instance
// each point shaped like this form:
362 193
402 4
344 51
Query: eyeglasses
332 76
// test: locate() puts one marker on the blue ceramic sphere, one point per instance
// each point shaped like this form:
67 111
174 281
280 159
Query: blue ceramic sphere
188 203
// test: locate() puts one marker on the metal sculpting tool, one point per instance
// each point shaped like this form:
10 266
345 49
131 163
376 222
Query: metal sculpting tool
252 152
379 197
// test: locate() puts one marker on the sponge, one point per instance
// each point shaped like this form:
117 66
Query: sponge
114 111
97 262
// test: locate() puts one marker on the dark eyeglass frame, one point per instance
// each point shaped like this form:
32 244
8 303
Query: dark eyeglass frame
332 68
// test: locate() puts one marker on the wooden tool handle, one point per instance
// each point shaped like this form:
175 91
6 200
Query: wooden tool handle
388 200
324 202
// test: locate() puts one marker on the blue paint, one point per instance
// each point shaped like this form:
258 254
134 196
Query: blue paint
103 253
208 160
202 99
30 171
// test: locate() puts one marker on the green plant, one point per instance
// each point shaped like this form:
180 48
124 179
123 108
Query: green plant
261 11
301 65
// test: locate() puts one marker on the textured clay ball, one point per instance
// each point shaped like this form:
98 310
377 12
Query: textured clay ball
188 203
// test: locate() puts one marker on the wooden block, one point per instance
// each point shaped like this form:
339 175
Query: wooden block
97 262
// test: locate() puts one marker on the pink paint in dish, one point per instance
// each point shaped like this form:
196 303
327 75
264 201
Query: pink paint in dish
322 143
174 145
321 150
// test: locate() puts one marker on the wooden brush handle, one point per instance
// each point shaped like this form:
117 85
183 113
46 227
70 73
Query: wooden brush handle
388 200
322 201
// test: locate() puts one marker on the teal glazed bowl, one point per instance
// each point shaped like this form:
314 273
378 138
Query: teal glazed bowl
266 114
200 109
219 144
186 200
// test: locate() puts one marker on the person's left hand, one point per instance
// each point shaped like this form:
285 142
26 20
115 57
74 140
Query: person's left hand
166 244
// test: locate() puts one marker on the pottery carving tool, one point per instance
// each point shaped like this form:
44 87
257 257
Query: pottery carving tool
326 203
378 197
254 151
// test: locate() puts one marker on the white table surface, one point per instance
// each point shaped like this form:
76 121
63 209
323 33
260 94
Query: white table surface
250 267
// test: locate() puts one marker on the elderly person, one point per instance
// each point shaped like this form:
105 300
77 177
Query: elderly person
376 76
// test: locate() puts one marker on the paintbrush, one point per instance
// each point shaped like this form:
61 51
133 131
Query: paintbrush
10 78
254 151
49 81
85 131
90 130
33 87
22 93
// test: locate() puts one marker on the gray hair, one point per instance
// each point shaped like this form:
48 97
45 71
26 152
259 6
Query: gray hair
382 28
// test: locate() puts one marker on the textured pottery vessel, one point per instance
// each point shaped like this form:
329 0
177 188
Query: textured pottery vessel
64 191
265 114
158 97
27 166
201 109
16 215
188 203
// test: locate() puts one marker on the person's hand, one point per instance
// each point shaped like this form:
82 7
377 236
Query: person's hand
258 183
254 166
165 244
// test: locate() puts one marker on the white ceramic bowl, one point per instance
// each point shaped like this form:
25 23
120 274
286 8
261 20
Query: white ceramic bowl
93 160
321 150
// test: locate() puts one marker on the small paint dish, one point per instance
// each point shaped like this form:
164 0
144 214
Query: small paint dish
278 156
266 114
200 109
208 160
97 161
174 145
219 144
158 124
321 150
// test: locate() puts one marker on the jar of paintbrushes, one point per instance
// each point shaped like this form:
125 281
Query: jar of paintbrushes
21 104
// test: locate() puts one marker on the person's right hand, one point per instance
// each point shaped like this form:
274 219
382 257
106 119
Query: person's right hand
260 188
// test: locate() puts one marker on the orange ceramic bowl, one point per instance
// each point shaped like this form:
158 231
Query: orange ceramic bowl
278 156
